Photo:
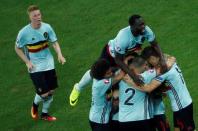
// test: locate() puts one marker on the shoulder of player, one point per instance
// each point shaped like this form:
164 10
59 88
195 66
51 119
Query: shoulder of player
124 33
102 82
170 72
125 30
46 25
148 29
24 29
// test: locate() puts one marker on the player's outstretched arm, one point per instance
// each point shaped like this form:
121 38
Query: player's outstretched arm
118 77
119 61
151 86
146 87
61 59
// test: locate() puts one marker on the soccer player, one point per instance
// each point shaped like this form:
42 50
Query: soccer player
134 113
181 101
101 104
129 39
31 46
157 107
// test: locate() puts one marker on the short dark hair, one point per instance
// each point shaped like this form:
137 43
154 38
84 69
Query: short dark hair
137 62
148 52
133 18
99 68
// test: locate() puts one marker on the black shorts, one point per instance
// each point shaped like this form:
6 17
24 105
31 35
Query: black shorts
99 127
106 55
143 125
114 125
44 81
160 123
183 119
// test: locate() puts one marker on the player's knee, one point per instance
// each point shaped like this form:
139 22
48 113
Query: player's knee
48 98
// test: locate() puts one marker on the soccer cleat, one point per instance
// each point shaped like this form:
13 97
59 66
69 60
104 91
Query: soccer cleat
47 117
34 111
73 98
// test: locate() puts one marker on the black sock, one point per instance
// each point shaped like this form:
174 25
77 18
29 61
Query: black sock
44 114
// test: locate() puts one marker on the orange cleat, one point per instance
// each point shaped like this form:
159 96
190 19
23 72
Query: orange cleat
34 112
48 118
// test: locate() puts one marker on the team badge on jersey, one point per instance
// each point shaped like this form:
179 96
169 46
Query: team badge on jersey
118 48
106 81
45 34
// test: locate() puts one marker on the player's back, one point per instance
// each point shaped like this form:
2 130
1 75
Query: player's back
133 104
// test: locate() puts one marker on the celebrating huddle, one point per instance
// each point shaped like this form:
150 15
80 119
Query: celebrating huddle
129 85
128 82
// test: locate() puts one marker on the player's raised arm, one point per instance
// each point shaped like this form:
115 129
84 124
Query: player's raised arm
157 48
119 61
150 36
118 77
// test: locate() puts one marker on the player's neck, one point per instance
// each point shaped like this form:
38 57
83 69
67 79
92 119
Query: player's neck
36 25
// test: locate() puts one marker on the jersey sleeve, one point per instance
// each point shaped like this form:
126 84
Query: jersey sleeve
150 36
161 78
20 40
121 43
149 75
52 35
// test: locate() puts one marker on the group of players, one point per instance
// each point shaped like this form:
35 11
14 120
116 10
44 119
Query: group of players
128 85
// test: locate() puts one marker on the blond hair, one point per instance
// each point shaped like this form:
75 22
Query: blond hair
32 8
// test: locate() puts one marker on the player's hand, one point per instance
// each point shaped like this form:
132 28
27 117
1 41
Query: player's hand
130 82
158 70
126 59
73 98
61 59
170 61
164 67
29 65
